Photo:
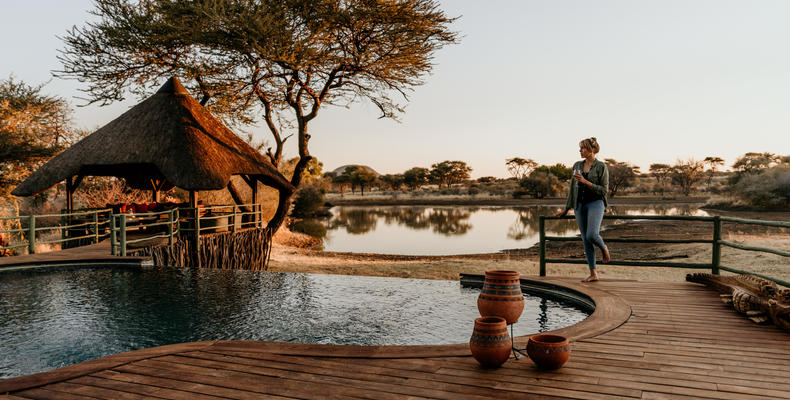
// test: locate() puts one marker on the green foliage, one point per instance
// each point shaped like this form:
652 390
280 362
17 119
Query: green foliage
769 188
449 172
520 168
361 177
416 177
755 162
393 181
486 179
540 184
559 170
685 174
309 200
33 127
312 173
621 175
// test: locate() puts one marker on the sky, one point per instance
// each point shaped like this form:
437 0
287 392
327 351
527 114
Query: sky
653 81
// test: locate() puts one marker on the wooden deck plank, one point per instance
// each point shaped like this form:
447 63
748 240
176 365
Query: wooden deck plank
255 384
184 386
138 389
47 394
678 341
357 386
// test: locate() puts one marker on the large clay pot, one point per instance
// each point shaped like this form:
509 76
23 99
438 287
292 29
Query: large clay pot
501 296
490 343
548 351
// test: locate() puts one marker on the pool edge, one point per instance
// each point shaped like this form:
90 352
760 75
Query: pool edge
610 312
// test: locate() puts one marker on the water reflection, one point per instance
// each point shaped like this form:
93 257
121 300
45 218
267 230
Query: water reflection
444 221
424 230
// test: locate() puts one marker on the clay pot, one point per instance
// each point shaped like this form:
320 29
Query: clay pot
548 351
490 343
501 296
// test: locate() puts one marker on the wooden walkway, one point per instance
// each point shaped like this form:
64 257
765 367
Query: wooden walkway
677 341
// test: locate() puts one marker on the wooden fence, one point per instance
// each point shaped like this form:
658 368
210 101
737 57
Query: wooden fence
715 241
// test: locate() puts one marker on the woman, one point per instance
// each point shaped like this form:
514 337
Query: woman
587 199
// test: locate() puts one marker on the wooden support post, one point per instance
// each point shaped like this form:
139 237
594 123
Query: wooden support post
542 235
69 198
193 203
156 186
31 234
256 210
233 224
716 258
123 235
170 228
95 227
112 234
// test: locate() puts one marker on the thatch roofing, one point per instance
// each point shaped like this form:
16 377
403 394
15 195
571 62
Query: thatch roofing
168 136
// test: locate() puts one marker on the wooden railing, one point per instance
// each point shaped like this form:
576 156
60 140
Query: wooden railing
93 226
87 226
716 243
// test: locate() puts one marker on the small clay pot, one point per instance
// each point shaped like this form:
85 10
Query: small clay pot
501 296
548 351
490 344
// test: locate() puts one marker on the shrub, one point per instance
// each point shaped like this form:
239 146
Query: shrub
769 188
540 184
309 200
309 227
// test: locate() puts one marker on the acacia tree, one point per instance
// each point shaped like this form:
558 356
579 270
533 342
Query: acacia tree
278 61
660 172
449 172
712 163
520 168
362 177
393 181
621 175
415 177
755 162
33 127
686 173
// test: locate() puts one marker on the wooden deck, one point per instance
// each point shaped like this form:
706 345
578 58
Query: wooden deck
98 253
677 341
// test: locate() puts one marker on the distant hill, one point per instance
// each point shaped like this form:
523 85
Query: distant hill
339 170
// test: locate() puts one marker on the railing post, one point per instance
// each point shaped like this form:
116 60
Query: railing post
123 235
197 229
112 234
542 247
95 227
716 258
233 225
170 228
31 234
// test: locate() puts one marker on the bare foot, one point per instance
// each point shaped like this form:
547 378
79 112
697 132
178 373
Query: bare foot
591 278
606 256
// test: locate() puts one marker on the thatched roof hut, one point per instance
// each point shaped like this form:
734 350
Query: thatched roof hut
167 140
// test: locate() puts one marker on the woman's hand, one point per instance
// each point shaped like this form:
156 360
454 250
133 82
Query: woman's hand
579 178
562 213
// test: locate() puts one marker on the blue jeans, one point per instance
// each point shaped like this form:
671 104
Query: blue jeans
589 217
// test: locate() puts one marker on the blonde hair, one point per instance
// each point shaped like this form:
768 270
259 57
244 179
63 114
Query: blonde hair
590 144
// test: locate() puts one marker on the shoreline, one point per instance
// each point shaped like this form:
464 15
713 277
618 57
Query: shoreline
295 252
461 200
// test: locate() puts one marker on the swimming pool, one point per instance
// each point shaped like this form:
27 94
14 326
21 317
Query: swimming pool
50 319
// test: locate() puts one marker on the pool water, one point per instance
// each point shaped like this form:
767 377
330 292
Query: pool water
51 319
